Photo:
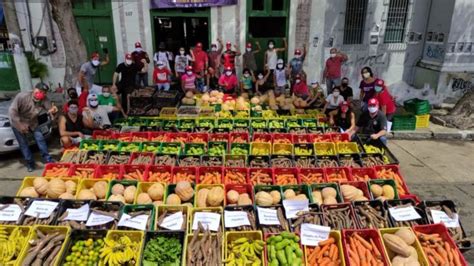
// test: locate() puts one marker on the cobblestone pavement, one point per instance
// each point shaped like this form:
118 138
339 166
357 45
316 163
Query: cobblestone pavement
433 169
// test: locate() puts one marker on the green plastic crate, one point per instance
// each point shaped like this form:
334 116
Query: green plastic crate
417 106
404 122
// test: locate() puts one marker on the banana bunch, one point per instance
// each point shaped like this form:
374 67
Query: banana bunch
10 245
119 252
372 149
244 251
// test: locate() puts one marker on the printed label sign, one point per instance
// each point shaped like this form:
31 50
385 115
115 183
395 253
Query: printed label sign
173 221
138 222
98 219
442 217
81 214
292 207
208 220
312 234
235 219
41 208
268 216
10 212
404 214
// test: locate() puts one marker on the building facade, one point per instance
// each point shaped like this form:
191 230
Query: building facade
418 42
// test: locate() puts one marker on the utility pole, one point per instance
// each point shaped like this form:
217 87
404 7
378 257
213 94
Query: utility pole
14 35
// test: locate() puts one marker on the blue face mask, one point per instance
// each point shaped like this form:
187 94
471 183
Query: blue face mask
378 89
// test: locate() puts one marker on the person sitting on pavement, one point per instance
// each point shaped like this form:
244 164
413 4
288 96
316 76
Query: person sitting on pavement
333 100
161 77
300 89
24 112
188 81
228 81
372 122
316 96
72 95
343 117
98 113
346 90
73 126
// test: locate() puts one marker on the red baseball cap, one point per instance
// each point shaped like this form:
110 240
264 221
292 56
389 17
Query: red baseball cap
95 55
297 52
249 45
373 102
344 106
228 68
189 68
379 82
228 44
298 76
199 45
128 56
138 45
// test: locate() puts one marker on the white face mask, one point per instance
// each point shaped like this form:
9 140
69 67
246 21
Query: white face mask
246 75
373 109
336 93
95 62
248 49
128 62
298 56
298 80
366 75
260 76
106 94
228 73
214 48
181 52
189 73
93 103
161 67
333 55
138 49
280 65
271 46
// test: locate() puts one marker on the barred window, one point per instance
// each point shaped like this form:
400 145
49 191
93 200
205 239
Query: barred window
396 21
354 22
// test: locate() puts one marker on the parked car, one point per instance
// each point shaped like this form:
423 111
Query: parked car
8 140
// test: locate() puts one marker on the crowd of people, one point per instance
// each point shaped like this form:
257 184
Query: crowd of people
96 107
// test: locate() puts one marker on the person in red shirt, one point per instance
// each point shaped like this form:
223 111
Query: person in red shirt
200 59
386 101
332 72
161 76
188 80
228 81
141 59
228 57
300 89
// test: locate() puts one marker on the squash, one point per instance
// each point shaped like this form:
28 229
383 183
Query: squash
201 199
289 194
214 93
216 196
388 192
396 244
205 97
317 196
276 196
117 197
129 194
329 192
263 198
350 192
41 185
255 100
300 197
66 196
173 199
56 187
86 194
184 190
71 186
143 198
330 200
232 196
156 191
118 189
29 192
407 235
244 199
376 190
189 94
100 189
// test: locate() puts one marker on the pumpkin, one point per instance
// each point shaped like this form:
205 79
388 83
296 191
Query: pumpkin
173 199
215 196
56 187
330 200
202 195
118 189
70 186
214 93
28 192
117 197
300 197
244 199
255 100
41 185
407 235
143 198
129 194
184 190
100 189
376 190
66 196
156 191
388 192
276 196
86 194
232 196
289 194
263 198
205 97
189 94
329 192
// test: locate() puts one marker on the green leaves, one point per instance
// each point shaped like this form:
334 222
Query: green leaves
164 251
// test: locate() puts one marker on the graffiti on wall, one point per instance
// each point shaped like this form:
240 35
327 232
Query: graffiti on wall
434 52
366 60
463 85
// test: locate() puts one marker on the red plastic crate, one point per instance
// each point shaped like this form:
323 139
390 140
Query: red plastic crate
151 169
268 171
239 135
283 138
219 137
400 184
262 137
443 233
360 185
306 171
78 167
242 170
189 170
241 188
125 137
367 234
210 169
303 138
286 171
340 137
136 154
130 170
322 137
140 136
198 138
158 136
332 170
103 170
102 134
367 171
177 137
50 166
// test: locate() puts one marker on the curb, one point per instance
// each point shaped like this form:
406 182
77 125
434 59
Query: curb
431 135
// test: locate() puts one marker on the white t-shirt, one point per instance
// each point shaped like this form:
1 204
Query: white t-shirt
271 59
164 57
280 76
99 115
333 101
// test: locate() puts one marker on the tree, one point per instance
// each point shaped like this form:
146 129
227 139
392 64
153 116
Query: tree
74 46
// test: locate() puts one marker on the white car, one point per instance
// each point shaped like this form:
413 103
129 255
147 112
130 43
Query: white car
8 140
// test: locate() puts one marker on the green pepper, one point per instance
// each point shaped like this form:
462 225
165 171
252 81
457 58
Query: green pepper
289 254
281 257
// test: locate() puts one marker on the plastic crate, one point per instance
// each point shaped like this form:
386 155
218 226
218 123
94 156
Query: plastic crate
56 169
134 172
311 175
180 173
422 259
151 146
140 207
143 188
382 182
338 241
219 137
282 138
159 173
367 234
268 189
109 145
417 106
82 170
172 148
88 184
130 146
347 147
338 174
404 122
125 183
135 236
140 136
197 148
90 144
251 235
169 210
328 208
422 121
262 138
267 177
363 174
325 148
260 148
322 138
235 160
303 138
147 158
218 210
235 175
240 188
286 176
359 185
393 172
158 137
208 187
239 137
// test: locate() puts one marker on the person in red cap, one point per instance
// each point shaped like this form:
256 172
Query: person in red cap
141 59
163 55
343 117
228 57
86 76
161 77
188 80
228 81
332 72
215 54
386 102
200 59
296 64
372 122
300 89
127 71
248 57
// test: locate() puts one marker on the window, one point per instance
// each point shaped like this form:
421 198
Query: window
277 5
257 5
354 22
259 27
396 21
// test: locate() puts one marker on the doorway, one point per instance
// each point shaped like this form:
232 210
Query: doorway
267 20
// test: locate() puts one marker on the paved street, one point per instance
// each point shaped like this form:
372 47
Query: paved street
432 169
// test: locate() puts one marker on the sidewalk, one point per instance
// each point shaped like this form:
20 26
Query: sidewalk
435 132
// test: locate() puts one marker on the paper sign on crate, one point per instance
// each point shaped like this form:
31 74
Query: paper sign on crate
81 214
268 216
292 207
173 221
10 212
138 222
209 220
404 214
312 234
235 219
41 208
442 217
98 219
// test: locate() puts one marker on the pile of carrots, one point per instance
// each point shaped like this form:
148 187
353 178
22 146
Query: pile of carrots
56 171
282 141
111 176
126 138
438 251
285 179
360 177
184 176
164 177
196 139
363 251
388 173
211 177
311 178
160 138
326 253
238 139
260 178
260 140
339 175
83 173
136 174
234 176
139 139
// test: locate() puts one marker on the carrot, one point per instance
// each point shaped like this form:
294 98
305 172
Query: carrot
184 177
313 255
363 241
321 252
234 177
260 178
284 179
211 178
327 242
354 256
333 252
375 249
312 178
